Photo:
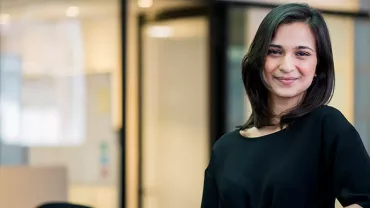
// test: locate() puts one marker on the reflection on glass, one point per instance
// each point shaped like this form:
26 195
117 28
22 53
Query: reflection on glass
43 92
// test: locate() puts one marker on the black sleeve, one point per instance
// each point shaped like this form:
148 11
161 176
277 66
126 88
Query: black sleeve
351 168
210 192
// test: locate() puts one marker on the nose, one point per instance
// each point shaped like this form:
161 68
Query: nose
287 64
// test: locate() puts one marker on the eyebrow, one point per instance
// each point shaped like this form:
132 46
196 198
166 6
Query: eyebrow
297 47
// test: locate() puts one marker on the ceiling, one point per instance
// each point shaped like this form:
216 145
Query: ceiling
47 10
56 9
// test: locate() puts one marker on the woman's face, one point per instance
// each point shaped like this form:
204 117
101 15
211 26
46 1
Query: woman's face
291 61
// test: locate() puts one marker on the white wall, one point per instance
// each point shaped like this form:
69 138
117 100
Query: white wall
343 52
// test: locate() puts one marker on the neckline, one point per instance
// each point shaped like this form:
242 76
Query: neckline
260 137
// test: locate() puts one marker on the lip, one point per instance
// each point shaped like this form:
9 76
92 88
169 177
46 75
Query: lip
287 80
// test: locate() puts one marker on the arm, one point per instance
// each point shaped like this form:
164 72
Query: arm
210 192
351 169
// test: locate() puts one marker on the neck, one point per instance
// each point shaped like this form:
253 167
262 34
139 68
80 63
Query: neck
280 105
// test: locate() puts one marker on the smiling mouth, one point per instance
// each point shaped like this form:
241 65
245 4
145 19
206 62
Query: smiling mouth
287 80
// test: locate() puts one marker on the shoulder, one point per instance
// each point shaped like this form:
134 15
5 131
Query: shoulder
339 136
326 110
222 147
330 115
226 141
332 120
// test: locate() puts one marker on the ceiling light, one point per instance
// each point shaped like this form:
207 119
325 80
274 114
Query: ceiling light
160 31
145 3
72 11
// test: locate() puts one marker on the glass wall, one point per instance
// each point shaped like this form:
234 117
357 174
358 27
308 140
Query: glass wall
174 112
60 69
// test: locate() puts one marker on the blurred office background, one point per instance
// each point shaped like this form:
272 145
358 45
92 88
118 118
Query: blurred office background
116 103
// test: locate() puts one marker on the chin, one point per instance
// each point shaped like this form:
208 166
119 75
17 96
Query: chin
287 93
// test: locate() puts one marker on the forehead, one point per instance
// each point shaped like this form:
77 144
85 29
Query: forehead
294 34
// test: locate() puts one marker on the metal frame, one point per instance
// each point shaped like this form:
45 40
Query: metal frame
122 131
218 42
141 22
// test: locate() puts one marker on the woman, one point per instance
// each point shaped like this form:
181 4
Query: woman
294 151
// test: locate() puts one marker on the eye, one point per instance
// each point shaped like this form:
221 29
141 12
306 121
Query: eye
274 52
302 53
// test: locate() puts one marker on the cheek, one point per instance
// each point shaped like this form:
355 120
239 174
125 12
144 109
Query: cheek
270 66
308 69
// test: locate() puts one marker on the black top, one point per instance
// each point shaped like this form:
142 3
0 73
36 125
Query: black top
319 158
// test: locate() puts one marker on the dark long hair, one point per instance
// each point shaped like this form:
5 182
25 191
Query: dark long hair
321 90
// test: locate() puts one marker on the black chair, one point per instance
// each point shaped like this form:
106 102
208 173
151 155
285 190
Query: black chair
61 205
